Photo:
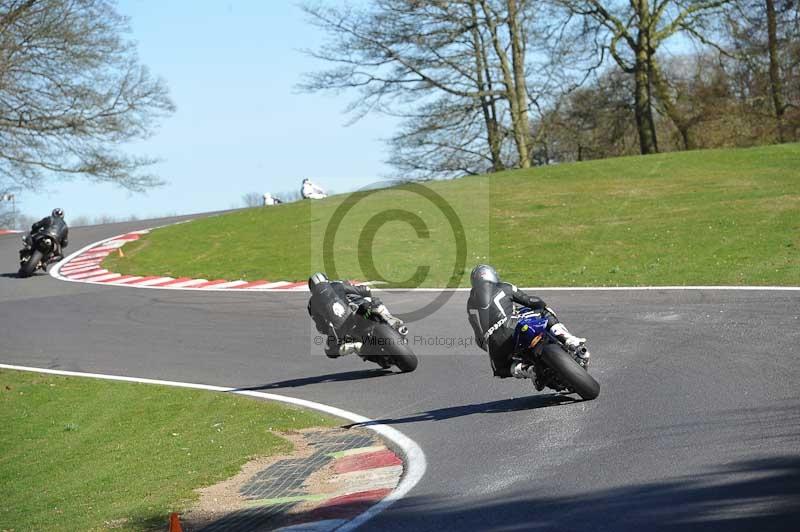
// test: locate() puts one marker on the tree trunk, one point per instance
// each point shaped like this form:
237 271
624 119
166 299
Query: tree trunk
519 115
776 85
650 120
643 110
488 107
493 134
517 36
643 72
662 90
684 131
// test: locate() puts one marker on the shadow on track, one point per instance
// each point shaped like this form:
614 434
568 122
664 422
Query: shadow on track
747 495
742 496
319 379
531 402
15 275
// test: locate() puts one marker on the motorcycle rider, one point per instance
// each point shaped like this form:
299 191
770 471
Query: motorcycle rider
54 226
490 309
337 316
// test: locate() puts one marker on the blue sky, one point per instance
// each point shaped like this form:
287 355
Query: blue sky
240 125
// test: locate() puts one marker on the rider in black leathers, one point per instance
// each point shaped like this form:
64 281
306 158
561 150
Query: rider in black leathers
338 317
55 227
490 309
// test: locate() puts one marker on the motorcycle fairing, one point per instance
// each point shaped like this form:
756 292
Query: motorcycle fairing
530 329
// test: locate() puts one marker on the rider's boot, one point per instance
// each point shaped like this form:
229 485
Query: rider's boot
24 253
522 370
574 343
349 348
395 323
569 339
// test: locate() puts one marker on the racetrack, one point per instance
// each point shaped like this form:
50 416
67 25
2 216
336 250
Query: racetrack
697 423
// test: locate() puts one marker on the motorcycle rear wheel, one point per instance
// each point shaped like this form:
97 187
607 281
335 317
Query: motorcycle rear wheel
29 266
394 347
404 359
573 375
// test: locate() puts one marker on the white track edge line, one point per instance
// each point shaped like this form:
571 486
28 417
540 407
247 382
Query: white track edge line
415 464
602 288
55 272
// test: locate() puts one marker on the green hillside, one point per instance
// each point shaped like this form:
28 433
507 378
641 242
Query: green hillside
714 217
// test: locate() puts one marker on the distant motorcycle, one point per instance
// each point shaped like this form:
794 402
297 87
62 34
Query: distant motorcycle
556 365
38 249
381 343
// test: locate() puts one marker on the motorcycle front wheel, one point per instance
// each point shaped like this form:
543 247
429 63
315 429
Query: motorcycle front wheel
29 266
572 373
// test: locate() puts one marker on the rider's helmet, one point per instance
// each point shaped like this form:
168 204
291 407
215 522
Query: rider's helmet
58 213
483 272
316 279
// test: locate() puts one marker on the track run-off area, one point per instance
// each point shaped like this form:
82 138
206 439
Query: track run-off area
697 425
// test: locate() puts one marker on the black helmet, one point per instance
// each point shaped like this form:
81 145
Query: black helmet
58 213
483 272
316 279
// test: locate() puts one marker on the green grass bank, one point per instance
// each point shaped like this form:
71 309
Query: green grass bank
713 217
85 454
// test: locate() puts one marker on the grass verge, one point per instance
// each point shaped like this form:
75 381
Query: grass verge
86 454
713 217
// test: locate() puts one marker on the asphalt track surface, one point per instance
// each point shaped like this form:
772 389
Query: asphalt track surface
697 425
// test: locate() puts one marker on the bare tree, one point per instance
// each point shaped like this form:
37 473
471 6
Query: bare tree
289 196
765 44
592 122
8 211
252 199
71 92
104 219
25 221
455 72
634 30
775 81
448 137
8 218
79 221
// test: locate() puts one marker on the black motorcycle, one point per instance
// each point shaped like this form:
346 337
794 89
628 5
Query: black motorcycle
36 254
556 365
381 343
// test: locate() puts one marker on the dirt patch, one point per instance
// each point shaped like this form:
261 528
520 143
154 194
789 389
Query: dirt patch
225 498
321 482
276 491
